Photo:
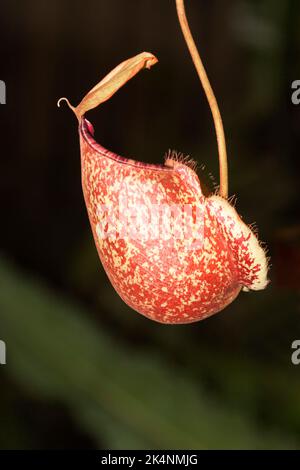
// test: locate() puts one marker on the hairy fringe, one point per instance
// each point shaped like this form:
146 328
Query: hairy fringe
179 157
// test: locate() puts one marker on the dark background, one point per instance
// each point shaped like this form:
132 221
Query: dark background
83 370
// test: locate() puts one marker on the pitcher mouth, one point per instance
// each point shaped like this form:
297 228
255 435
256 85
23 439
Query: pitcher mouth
86 130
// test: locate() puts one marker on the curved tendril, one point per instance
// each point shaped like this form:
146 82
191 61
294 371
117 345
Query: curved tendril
223 165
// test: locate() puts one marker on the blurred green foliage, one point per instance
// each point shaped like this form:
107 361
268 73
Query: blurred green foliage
124 399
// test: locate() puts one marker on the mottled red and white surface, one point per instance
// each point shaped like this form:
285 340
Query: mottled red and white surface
168 280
